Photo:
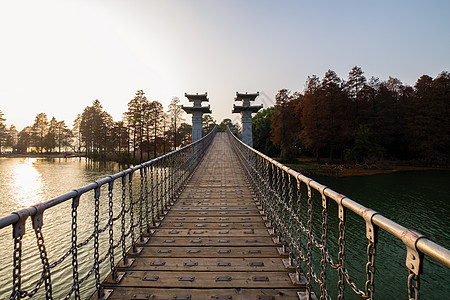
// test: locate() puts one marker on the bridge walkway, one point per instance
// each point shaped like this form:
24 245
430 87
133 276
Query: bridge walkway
212 244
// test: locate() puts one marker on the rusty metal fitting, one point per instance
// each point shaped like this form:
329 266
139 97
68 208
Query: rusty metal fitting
414 258
19 226
371 230
38 218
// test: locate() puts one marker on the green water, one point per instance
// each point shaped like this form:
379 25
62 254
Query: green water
416 200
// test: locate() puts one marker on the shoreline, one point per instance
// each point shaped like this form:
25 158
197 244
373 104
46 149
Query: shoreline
29 155
367 172
343 170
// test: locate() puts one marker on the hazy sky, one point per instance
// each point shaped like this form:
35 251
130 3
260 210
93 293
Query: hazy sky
59 56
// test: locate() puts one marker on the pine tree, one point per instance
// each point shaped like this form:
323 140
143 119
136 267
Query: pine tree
176 117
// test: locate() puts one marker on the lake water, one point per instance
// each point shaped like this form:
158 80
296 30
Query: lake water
27 181
417 200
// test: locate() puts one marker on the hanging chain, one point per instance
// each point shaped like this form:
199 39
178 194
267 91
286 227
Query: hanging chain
152 196
18 233
130 198
75 286
413 286
309 244
141 204
156 191
370 270
146 198
38 222
124 193
341 255
372 236
96 234
323 250
290 219
111 230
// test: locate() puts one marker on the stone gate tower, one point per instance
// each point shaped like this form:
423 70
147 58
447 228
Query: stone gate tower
246 111
197 112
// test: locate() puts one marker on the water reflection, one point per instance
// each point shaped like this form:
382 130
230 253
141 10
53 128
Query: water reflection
26 183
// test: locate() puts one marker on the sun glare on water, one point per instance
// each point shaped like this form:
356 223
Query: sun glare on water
27 183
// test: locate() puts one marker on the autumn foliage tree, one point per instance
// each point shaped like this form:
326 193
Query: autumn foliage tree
284 124
365 119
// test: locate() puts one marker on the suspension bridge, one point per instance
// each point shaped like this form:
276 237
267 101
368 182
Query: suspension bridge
213 220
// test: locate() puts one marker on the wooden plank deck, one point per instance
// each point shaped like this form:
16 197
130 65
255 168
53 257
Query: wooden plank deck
212 244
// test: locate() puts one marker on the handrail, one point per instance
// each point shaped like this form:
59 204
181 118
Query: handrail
161 181
265 173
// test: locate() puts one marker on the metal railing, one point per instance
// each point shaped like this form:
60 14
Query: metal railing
286 198
160 181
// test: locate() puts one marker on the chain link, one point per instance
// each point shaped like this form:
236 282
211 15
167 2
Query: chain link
309 243
323 250
111 230
96 234
17 272
413 286
141 203
75 286
341 255
122 227
370 270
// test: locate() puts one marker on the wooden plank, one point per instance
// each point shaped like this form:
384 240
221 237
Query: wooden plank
201 232
228 241
217 219
225 264
183 279
199 213
140 293
223 251
210 225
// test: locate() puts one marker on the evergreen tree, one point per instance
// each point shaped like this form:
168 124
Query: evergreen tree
176 117
261 127
285 124
155 118
137 122
3 133
39 131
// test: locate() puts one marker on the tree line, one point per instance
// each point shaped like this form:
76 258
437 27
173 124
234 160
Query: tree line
359 120
145 131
